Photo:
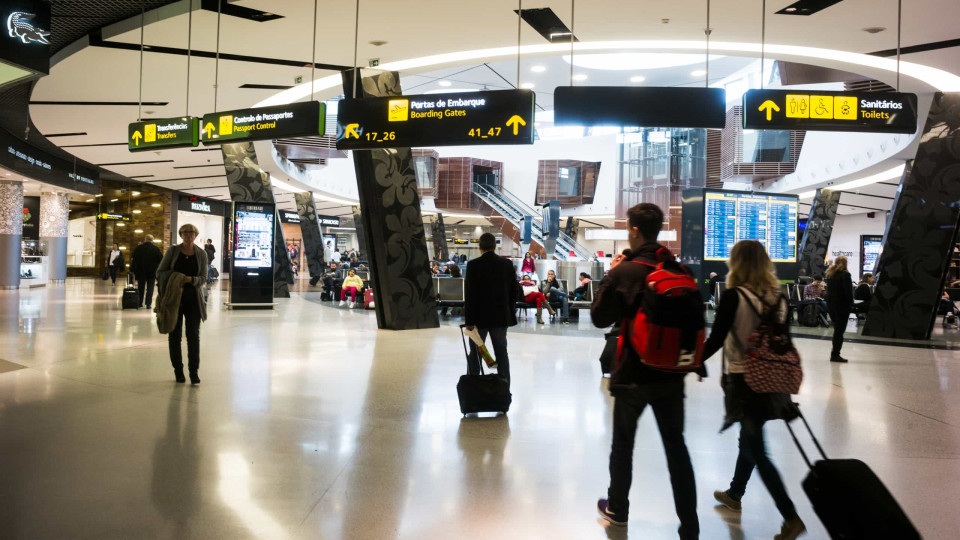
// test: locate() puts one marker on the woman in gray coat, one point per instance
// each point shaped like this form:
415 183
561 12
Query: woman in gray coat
187 262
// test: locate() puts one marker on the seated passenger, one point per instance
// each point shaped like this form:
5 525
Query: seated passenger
453 270
532 296
351 283
948 309
330 280
863 293
815 292
435 269
585 280
551 288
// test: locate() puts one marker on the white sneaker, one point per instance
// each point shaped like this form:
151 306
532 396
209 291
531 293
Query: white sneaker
352 305
342 302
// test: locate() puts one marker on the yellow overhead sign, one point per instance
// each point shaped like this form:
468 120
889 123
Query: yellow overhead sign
398 110
798 106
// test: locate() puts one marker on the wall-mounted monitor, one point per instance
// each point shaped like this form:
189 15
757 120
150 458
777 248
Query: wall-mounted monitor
870 248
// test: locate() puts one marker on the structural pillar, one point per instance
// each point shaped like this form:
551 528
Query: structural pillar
54 215
313 249
391 223
11 231
551 228
921 231
816 237
439 234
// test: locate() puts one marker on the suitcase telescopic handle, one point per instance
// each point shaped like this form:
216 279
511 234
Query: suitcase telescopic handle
463 340
812 436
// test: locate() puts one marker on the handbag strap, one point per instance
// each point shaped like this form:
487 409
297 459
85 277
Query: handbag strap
812 436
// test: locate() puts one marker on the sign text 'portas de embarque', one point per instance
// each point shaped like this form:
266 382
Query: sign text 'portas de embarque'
163 133
813 110
292 120
470 118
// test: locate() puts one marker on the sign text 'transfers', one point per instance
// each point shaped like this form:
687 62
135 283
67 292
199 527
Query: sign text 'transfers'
163 133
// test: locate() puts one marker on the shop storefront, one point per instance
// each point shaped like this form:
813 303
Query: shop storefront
290 221
208 216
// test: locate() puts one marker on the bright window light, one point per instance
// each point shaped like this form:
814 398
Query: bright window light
281 185
698 73
891 174
445 83
538 69
636 61
527 85
637 78
580 77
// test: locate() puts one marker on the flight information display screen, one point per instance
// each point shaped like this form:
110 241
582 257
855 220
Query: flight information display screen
730 217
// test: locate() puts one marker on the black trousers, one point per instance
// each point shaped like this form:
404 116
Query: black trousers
668 410
189 311
498 339
839 316
146 285
113 273
753 453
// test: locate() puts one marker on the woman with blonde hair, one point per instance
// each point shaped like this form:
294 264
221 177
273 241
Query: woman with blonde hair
752 289
839 303
183 270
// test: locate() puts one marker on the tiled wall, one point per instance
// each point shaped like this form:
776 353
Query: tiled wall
455 181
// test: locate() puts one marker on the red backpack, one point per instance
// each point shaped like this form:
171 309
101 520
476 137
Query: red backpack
668 330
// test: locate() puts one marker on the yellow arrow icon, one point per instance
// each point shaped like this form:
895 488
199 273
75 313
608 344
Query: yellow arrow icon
352 131
769 106
515 121
208 129
136 138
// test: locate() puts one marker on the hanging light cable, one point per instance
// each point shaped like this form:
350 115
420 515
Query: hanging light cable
313 50
216 62
189 43
140 95
707 32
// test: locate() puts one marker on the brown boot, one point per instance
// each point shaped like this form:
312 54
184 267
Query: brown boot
540 315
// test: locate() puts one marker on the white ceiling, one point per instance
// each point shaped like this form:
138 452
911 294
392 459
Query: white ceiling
428 27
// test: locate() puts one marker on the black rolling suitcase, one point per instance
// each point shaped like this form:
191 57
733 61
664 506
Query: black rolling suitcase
130 298
850 500
482 393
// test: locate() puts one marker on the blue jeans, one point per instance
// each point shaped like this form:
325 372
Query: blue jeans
556 293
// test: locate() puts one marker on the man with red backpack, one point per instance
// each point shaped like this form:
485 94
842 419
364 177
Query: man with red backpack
645 291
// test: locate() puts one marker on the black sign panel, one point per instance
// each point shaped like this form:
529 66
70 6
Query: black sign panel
200 205
31 218
813 110
163 133
292 120
639 106
34 163
328 221
112 216
286 216
25 36
470 118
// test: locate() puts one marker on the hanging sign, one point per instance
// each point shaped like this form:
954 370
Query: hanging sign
288 216
163 133
328 221
305 119
469 118
111 216
813 110
640 106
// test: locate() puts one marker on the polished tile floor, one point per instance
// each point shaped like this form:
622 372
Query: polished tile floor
311 424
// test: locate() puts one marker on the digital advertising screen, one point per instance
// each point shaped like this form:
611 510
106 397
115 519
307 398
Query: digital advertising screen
253 238
870 248
733 216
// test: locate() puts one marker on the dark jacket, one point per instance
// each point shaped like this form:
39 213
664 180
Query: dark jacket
165 270
146 260
211 252
839 292
619 297
490 289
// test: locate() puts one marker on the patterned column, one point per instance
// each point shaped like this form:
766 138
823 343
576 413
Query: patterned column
391 222
439 234
247 183
361 237
920 232
11 231
816 237
313 249
54 214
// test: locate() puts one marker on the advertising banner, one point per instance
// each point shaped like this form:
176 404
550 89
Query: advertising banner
25 38
31 218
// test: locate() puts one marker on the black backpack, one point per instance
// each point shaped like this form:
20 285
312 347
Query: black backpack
808 314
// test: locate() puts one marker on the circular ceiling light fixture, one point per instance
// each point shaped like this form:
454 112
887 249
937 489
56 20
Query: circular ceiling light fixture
637 78
636 61
698 73
538 69
527 85
579 77
445 83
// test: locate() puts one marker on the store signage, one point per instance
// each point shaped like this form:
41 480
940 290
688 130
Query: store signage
163 133
812 110
200 206
111 216
328 221
469 118
291 120
640 106
19 156
25 38
286 216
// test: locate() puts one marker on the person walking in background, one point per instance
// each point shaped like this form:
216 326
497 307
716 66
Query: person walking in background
352 284
211 253
115 262
839 303
528 266
181 276
490 290
635 385
752 289
144 263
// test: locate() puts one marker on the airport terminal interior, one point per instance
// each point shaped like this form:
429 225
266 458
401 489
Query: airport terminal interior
325 182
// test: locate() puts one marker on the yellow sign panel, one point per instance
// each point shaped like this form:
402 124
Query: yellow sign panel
798 106
845 107
821 107
150 133
398 110
226 125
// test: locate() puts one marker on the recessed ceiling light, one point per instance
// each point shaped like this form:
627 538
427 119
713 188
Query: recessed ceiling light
135 193
527 85
137 211
444 83
156 205
99 195
138 231
580 77
90 200
698 73
637 78
538 69
790 9
121 225
114 200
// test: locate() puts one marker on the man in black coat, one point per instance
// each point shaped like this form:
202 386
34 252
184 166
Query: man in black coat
489 303
146 260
